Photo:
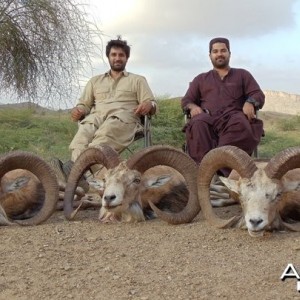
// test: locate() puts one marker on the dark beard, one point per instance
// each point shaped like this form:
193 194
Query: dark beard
120 68
220 65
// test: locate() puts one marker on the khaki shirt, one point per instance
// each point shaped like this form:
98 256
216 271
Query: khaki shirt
107 97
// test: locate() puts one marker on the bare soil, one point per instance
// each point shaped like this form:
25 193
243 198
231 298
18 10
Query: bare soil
85 259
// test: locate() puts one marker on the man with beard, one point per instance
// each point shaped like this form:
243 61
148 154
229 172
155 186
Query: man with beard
222 104
110 106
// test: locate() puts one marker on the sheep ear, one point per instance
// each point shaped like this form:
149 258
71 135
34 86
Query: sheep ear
158 181
17 183
230 184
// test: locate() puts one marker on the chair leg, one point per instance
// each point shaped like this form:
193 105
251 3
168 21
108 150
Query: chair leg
255 153
185 148
147 132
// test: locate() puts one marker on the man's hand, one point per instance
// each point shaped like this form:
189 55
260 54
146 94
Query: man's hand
144 108
249 111
194 109
77 113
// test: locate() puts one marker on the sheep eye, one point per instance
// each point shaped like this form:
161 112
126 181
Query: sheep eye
136 180
278 195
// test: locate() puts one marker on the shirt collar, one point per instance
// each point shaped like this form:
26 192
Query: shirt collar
125 73
214 70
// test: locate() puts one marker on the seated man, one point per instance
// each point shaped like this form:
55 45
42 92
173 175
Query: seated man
222 104
110 106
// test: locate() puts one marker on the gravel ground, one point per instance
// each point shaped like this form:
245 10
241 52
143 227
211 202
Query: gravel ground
85 259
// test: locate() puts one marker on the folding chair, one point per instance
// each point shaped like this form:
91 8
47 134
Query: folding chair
144 133
255 152
187 117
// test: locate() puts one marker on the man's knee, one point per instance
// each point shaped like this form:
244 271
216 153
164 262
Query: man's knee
76 153
196 128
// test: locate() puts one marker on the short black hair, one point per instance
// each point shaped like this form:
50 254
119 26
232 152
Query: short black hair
118 43
219 40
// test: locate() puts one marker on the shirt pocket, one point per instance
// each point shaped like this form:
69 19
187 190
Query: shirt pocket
126 95
102 94
233 90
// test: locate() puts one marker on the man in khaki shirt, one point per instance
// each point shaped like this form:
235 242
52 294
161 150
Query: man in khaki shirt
110 106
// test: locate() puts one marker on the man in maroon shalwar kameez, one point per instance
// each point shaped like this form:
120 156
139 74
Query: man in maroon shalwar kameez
222 104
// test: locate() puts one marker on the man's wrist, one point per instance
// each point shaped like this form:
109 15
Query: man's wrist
190 106
153 108
253 102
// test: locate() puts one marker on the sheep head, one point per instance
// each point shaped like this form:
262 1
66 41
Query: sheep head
259 190
126 192
123 183
121 194
258 197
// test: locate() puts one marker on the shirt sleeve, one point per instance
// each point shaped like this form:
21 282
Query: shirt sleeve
253 91
144 92
192 95
87 99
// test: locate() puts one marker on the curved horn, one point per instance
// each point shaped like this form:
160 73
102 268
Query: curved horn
282 162
222 157
3 218
169 156
103 155
292 226
37 166
278 166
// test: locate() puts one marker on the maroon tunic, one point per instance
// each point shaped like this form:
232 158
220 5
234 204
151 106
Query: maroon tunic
223 122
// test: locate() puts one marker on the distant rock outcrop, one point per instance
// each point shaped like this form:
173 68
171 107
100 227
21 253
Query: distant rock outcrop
282 102
26 105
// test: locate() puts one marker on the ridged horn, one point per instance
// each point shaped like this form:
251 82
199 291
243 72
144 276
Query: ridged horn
37 166
169 156
279 165
4 219
292 226
103 155
282 162
222 157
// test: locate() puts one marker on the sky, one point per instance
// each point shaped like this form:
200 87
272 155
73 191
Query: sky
169 39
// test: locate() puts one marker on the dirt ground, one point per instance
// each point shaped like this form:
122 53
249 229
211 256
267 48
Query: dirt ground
85 259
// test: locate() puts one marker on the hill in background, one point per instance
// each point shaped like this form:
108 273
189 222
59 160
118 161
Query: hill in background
282 102
26 105
279 102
